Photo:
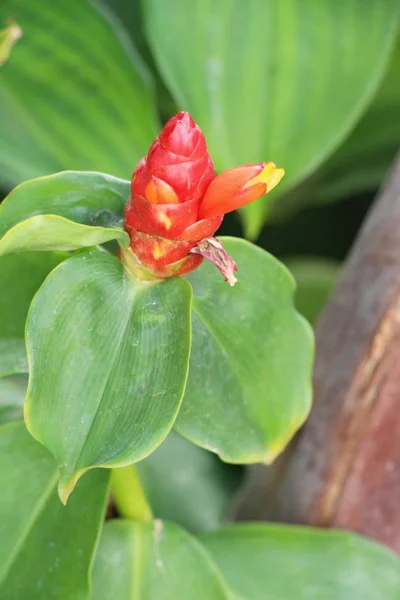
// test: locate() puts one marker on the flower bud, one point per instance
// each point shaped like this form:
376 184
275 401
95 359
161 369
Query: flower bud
177 203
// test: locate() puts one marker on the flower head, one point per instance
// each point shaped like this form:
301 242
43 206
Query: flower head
177 202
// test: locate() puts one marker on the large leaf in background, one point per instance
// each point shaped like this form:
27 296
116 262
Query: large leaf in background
153 561
249 383
108 360
46 548
74 93
64 211
182 483
315 278
278 562
361 163
267 80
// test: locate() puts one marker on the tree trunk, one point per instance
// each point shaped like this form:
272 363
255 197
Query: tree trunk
345 471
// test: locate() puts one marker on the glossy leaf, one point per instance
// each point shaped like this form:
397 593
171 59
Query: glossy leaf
74 93
65 211
153 561
249 386
361 163
108 360
12 357
21 275
282 81
12 396
315 278
284 563
188 485
46 548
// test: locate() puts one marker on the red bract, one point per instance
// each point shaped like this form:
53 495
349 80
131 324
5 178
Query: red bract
177 202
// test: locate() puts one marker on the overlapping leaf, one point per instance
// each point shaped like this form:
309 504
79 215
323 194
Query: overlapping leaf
282 81
65 211
108 363
46 548
249 380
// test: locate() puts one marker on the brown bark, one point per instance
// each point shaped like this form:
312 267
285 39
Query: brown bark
346 468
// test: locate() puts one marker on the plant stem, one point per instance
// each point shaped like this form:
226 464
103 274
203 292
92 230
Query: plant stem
128 494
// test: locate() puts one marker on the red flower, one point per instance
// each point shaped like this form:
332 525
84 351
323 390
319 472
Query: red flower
176 202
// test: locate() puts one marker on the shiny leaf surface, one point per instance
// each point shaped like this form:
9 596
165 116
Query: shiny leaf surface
42 541
108 360
281 81
249 380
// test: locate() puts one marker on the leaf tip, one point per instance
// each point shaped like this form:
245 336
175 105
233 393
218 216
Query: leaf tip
67 483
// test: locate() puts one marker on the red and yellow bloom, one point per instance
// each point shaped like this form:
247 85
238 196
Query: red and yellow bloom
177 202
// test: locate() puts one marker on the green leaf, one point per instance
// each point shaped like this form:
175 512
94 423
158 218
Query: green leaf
315 278
188 485
46 548
12 396
153 561
287 563
361 163
108 359
65 211
74 93
281 81
12 357
21 275
249 385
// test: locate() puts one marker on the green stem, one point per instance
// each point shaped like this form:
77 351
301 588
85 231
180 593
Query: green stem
128 494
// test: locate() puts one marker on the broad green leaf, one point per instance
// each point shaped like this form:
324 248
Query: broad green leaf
249 385
278 562
21 275
108 360
315 278
361 163
186 484
12 357
153 561
282 81
12 396
74 93
46 548
65 211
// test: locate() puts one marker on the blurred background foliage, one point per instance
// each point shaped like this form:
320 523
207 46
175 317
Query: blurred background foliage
312 85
